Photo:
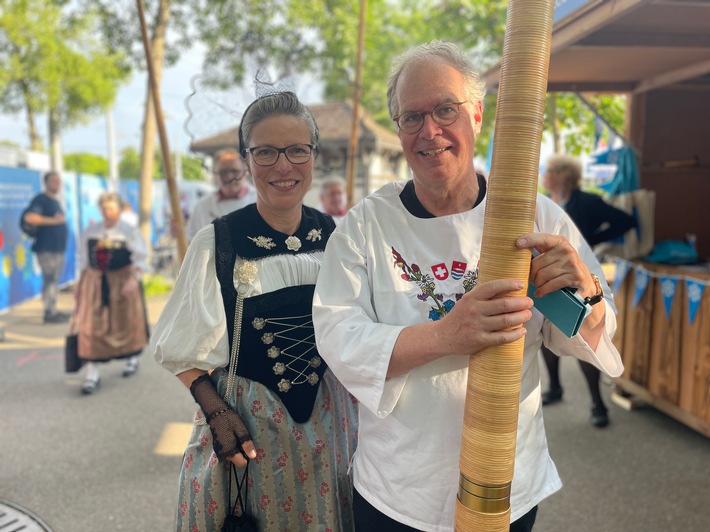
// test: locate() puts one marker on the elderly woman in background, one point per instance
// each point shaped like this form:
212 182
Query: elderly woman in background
110 308
598 221
238 332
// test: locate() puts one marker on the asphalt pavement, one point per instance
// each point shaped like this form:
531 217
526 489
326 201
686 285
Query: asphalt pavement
110 461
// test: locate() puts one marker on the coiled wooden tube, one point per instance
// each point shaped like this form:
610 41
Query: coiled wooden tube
493 395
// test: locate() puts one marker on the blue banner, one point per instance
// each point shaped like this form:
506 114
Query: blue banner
695 295
20 277
640 284
668 287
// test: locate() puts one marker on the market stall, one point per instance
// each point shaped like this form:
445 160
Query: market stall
657 52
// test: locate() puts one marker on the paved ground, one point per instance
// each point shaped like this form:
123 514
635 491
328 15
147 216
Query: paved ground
110 462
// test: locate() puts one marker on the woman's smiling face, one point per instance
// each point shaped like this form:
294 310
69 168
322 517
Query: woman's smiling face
281 187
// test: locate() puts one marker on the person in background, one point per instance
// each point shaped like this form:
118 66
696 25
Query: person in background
110 307
50 244
598 222
238 332
234 192
333 199
128 215
398 309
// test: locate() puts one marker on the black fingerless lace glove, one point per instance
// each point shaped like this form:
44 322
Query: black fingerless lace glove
228 430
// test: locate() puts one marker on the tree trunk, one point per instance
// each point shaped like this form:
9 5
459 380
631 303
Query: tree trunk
55 141
157 46
35 141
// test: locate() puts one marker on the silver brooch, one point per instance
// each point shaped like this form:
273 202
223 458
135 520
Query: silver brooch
285 385
258 323
293 243
263 242
315 362
314 235
273 351
313 379
279 368
268 338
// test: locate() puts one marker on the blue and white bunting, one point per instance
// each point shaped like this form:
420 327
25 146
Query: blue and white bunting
622 268
641 279
694 290
668 288
668 285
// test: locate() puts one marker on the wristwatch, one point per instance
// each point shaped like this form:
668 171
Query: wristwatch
596 298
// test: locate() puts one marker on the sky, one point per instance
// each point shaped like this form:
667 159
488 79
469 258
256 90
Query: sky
211 112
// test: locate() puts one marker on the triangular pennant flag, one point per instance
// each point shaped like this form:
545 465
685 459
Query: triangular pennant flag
622 268
640 284
668 287
695 295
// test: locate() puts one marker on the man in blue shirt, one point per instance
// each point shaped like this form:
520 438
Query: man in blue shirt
50 245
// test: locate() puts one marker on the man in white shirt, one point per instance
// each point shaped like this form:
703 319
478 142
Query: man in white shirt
234 192
398 309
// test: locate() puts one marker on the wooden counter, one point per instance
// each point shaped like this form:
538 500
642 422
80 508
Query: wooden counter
666 358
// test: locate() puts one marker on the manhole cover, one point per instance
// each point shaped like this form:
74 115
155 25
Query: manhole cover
14 518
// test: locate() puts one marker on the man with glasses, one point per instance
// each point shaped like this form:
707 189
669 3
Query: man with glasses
398 308
234 192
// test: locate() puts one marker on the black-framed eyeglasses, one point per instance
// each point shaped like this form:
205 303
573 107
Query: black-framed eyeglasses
443 114
234 173
268 155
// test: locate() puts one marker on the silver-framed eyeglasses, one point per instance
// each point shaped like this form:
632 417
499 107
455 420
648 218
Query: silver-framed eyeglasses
268 155
443 114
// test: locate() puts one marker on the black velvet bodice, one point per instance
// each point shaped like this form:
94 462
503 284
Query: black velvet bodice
276 338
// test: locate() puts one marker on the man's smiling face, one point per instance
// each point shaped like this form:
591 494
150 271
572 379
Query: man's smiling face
438 155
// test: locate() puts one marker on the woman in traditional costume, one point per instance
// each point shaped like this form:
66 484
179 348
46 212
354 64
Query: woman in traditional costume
110 307
238 332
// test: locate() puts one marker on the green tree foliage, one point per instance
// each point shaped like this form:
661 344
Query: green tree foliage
129 165
572 123
86 163
52 62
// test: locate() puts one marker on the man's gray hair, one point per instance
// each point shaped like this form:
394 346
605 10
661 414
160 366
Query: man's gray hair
439 51
331 180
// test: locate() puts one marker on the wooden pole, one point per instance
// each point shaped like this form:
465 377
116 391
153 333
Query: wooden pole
352 151
493 394
164 145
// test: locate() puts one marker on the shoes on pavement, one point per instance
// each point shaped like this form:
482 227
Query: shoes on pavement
131 367
553 395
57 317
599 417
90 386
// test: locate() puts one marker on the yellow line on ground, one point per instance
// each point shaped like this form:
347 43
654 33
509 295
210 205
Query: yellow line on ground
13 340
174 439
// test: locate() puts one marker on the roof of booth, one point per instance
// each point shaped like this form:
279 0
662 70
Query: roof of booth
627 46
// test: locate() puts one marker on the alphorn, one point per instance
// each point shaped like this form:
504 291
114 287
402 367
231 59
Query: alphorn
493 394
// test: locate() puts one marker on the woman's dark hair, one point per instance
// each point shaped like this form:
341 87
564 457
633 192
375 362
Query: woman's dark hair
280 103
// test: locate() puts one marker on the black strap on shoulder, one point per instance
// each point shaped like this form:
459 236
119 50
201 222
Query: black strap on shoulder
225 257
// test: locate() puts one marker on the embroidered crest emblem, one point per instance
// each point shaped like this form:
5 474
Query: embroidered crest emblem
427 283
458 269
441 272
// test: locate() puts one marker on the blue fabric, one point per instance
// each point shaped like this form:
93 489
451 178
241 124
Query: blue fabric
672 252
626 178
